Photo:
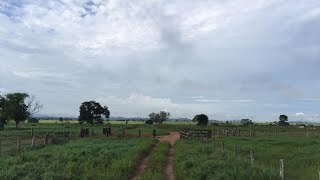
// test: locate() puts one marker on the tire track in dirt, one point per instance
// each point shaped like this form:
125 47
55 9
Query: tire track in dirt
171 139
143 164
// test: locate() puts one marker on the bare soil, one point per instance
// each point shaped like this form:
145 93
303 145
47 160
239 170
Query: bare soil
142 165
171 139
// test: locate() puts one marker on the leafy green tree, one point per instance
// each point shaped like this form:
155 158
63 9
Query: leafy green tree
246 122
61 119
164 116
283 120
91 112
149 121
3 116
16 108
154 117
160 117
201 119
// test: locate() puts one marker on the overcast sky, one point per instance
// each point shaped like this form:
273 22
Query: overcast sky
229 59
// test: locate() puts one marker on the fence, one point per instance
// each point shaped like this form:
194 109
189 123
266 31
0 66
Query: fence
14 145
195 134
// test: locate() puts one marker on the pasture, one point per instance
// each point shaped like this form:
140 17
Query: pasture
255 154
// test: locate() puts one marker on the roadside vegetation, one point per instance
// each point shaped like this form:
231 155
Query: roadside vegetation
156 165
89 158
198 160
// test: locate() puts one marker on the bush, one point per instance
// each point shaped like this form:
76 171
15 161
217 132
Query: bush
33 120
149 122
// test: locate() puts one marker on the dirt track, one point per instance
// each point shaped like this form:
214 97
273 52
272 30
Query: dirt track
172 139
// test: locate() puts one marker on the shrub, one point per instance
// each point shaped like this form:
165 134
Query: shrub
149 122
33 120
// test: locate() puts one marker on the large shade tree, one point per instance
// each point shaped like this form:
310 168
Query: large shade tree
283 120
160 117
91 112
3 116
201 119
17 107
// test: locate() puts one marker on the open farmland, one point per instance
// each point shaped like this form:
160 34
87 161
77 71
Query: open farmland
248 156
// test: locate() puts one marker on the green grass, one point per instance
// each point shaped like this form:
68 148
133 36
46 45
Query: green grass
79 159
197 160
157 163
41 128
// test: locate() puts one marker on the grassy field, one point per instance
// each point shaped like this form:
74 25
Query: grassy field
156 164
79 159
95 155
197 160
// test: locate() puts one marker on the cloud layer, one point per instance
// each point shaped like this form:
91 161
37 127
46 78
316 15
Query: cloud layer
229 59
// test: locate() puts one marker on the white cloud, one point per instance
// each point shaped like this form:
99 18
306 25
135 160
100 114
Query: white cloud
300 114
225 101
258 57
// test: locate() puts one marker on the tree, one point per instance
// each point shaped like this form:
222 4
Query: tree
91 112
20 106
283 120
3 116
155 117
159 117
33 106
17 107
164 116
201 119
149 121
246 122
61 119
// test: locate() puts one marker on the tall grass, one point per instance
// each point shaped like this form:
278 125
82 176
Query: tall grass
79 159
197 160
157 163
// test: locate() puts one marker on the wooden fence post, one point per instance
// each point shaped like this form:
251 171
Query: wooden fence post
154 133
252 157
31 132
92 132
222 145
18 145
53 137
264 132
33 142
139 132
276 132
46 139
282 169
